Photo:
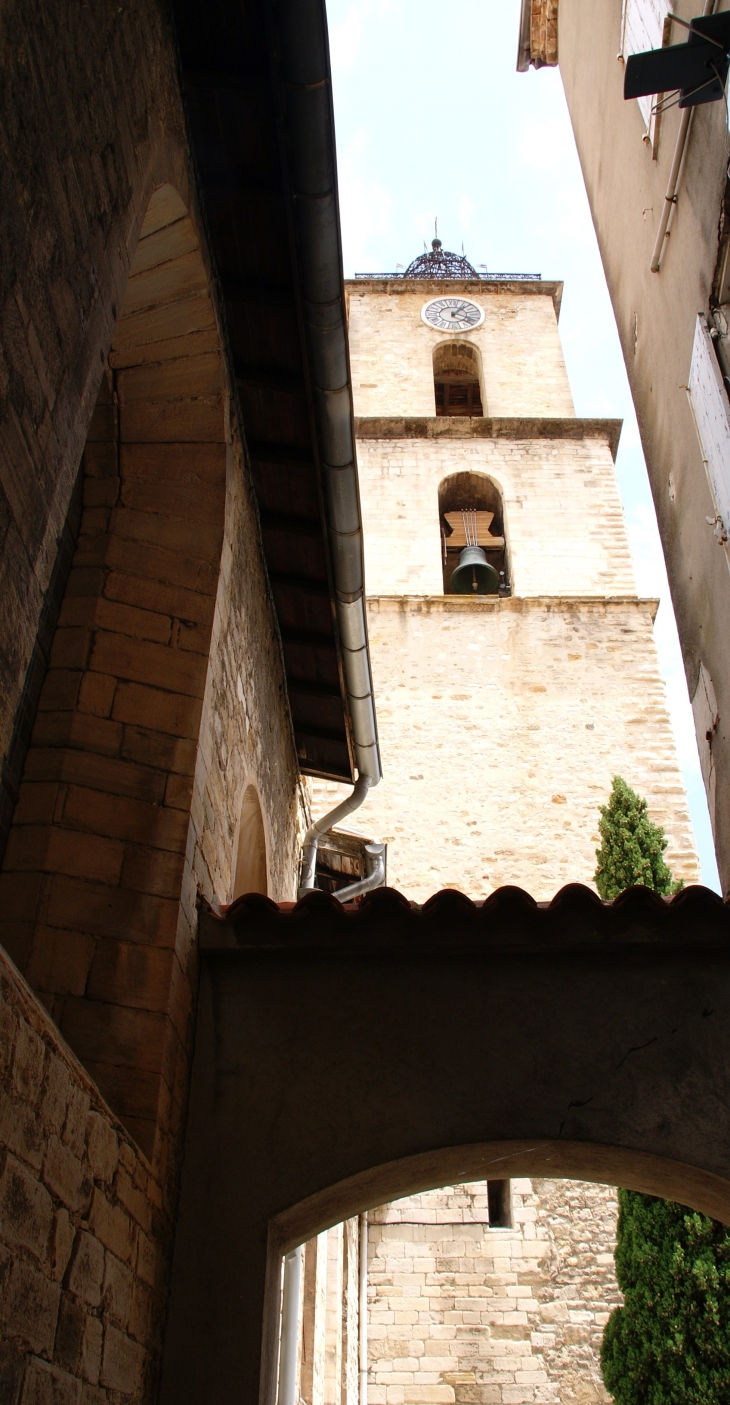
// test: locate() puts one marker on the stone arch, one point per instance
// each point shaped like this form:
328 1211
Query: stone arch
96 853
343 1060
458 379
251 868
476 492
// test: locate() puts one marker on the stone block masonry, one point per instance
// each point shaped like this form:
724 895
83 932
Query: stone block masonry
522 371
498 745
85 1227
461 1313
564 523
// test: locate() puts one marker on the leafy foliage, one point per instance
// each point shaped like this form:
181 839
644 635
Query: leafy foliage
632 848
670 1342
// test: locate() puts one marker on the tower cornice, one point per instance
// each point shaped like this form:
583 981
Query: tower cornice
566 427
452 287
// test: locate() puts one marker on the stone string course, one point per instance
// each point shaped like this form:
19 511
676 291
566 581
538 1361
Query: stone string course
84 1227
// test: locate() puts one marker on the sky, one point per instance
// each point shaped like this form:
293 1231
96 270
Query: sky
433 121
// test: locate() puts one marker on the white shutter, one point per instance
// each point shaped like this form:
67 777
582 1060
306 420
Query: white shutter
711 410
642 29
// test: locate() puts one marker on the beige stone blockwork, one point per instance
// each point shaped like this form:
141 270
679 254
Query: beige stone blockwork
391 349
564 523
466 1314
502 723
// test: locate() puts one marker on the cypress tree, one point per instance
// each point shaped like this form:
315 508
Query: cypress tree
670 1342
632 848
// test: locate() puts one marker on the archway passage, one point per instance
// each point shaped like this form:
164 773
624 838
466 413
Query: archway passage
347 1058
93 868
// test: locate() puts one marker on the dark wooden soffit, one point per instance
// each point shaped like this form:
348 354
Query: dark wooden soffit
234 123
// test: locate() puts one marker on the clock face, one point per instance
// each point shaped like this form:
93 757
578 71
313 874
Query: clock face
452 314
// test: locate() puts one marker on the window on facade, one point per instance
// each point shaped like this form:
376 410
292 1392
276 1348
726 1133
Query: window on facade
471 513
645 25
456 379
499 1200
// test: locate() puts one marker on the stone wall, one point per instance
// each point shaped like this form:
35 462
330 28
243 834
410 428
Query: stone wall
461 1313
92 123
391 349
502 723
85 1227
163 701
564 522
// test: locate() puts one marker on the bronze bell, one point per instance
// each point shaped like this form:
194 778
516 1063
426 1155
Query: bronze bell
474 575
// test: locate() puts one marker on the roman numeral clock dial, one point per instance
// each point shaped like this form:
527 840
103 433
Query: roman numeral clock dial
452 314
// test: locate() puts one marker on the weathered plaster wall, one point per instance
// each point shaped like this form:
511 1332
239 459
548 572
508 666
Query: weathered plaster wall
501 725
391 350
85 1227
464 1314
656 315
564 523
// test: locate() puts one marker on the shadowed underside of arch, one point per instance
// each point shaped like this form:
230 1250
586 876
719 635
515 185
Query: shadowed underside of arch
345 1058
93 869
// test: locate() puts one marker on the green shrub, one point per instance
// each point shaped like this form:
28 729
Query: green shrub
670 1342
632 848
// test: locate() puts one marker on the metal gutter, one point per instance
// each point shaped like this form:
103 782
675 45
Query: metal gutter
523 48
303 70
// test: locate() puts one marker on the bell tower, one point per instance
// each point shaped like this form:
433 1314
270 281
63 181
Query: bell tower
515 666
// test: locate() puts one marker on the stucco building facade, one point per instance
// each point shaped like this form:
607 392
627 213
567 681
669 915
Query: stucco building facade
657 187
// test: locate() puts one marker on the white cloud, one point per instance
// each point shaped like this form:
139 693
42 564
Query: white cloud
544 142
346 38
466 210
365 205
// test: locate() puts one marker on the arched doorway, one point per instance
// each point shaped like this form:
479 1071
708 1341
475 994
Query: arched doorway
251 869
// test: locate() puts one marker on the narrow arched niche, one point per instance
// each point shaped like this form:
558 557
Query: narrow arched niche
251 869
473 493
114 747
458 381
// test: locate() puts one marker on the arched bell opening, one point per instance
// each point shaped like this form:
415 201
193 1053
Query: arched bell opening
93 869
458 381
473 543
250 874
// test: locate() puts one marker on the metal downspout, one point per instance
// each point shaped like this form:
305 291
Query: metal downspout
290 1327
374 875
363 1311
308 118
675 176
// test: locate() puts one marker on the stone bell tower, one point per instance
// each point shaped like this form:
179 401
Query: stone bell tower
503 716
511 686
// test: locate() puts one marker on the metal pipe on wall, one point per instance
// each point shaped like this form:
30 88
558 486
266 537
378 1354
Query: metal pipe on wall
308 123
290 1327
363 1311
320 827
675 176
